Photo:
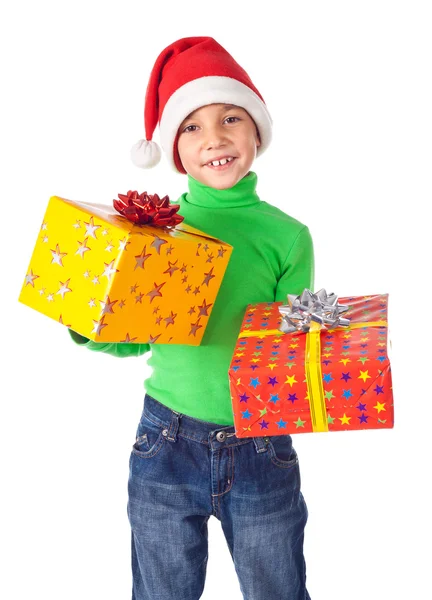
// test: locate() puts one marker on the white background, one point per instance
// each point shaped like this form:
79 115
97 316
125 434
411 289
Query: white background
348 85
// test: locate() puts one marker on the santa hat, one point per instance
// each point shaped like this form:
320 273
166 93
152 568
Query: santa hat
191 73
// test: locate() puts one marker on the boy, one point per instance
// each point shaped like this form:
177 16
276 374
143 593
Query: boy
186 463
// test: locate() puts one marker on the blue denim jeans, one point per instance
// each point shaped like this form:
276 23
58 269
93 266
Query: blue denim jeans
181 472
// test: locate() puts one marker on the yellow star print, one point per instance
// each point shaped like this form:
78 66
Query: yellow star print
364 375
379 406
291 380
344 420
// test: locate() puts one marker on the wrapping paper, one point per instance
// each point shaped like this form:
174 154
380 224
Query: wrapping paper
115 281
324 380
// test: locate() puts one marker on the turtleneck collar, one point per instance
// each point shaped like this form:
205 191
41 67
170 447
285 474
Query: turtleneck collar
241 194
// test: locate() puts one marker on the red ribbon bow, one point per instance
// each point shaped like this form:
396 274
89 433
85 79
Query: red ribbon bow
148 209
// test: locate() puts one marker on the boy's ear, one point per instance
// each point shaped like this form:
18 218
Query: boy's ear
258 136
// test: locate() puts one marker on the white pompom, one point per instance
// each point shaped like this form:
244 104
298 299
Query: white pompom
145 154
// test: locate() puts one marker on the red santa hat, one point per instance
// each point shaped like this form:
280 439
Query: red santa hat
191 73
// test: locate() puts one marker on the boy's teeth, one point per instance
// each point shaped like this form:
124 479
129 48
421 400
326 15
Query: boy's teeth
216 163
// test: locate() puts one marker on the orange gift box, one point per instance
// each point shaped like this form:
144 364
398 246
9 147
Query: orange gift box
324 380
112 280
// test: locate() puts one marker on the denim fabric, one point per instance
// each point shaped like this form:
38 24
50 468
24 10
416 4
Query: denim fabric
182 471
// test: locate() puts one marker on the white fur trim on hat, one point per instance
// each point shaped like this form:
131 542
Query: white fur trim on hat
212 90
145 154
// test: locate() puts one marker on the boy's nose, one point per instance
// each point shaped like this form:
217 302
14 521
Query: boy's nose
214 139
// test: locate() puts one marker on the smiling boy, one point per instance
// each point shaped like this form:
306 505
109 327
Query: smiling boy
187 463
218 133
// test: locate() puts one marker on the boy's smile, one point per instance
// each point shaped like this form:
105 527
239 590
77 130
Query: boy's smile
217 144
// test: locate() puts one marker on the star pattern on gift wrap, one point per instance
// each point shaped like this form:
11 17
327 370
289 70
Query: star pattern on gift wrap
360 374
64 289
291 380
155 292
204 308
271 366
171 268
344 420
364 375
107 306
57 256
254 382
274 398
194 327
158 243
141 258
109 270
208 277
30 278
128 339
363 359
98 325
170 319
91 228
123 244
82 247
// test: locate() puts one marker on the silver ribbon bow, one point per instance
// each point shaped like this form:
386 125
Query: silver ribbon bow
320 307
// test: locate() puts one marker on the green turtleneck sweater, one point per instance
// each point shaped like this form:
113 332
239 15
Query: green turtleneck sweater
272 257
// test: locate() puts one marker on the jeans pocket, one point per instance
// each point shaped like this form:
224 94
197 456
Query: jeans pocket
282 452
149 438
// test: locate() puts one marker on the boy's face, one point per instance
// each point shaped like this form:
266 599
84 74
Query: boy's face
218 131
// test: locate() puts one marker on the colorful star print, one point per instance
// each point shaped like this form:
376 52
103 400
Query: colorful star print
345 393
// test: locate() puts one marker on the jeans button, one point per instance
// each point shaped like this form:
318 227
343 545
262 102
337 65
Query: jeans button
165 432
221 436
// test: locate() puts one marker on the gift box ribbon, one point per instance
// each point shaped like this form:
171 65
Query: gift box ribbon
314 380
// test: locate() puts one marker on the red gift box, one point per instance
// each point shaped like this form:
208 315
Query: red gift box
325 380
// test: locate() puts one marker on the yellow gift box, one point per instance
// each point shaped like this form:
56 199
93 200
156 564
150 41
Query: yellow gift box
111 280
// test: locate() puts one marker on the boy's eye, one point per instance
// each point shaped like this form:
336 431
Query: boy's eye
189 128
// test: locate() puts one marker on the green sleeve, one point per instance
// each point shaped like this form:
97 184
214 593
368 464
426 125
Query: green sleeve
121 349
299 269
